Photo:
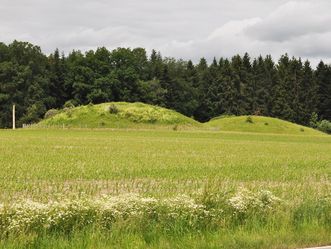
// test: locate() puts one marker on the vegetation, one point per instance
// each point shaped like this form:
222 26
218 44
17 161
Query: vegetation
139 115
324 126
164 189
117 115
245 179
259 124
289 89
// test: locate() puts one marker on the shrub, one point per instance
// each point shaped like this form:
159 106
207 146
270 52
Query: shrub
257 112
69 104
33 113
313 122
246 203
69 113
51 113
266 123
324 126
113 109
249 119
302 130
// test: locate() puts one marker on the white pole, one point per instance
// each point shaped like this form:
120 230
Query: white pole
14 125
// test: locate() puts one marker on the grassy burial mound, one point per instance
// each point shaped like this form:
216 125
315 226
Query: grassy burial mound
117 115
259 124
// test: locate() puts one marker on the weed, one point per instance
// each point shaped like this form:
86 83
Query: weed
249 119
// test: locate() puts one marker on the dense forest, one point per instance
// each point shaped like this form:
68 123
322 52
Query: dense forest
289 89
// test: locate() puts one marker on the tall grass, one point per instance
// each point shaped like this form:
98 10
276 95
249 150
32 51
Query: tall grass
57 187
151 220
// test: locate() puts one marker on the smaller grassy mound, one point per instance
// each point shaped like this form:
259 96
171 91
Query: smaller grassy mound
259 124
117 115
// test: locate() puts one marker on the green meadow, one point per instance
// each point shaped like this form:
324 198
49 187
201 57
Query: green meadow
208 188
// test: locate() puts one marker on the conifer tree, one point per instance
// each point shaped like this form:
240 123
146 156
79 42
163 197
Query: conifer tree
308 95
323 77
282 92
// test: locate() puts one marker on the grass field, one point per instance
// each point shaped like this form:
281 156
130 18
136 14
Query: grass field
205 188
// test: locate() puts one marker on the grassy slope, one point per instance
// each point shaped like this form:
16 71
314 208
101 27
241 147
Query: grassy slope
130 115
260 125
139 115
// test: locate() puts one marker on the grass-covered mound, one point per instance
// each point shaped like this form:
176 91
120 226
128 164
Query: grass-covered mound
259 124
117 115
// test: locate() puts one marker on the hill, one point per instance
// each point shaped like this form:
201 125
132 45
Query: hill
117 115
259 124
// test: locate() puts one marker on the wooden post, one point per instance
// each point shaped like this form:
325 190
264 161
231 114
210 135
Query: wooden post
14 125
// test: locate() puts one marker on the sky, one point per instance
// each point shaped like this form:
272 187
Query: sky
187 29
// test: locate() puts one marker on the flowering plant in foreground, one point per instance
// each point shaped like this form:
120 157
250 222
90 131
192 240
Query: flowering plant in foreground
245 201
28 216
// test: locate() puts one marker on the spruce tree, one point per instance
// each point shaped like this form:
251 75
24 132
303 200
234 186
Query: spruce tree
57 79
308 94
323 77
282 92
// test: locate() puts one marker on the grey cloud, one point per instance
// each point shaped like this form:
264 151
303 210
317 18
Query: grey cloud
295 18
186 29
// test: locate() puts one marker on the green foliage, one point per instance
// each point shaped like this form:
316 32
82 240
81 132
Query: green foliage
113 109
69 113
289 89
324 126
69 104
33 113
323 77
51 113
24 82
313 122
249 119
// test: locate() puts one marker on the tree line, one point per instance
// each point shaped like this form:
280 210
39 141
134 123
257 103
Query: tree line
289 89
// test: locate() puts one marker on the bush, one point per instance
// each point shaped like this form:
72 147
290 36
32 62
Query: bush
69 113
249 120
313 122
33 113
324 126
51 113
69 104
113 109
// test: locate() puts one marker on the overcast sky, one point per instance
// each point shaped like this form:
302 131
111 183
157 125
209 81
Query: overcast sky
187 29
